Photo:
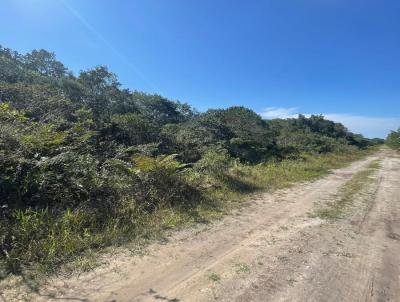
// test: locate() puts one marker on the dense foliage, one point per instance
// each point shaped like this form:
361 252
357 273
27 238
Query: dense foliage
82 158
393 139
315 134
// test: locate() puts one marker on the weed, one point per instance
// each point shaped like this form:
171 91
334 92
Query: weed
283 259
242 268
214 277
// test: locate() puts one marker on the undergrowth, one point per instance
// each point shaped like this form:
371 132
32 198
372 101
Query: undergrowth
43 240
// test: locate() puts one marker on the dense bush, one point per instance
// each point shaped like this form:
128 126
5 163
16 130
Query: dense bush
83 161
393 139
314 134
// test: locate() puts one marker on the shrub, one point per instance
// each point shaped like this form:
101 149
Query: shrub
393 139
214 162
159 183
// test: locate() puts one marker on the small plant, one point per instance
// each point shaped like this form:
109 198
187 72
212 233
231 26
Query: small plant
283 258
214 277
242 268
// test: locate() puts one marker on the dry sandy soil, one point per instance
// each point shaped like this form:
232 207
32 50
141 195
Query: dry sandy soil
270 250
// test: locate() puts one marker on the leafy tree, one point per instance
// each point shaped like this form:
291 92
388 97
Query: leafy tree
101 91
44 63
39 66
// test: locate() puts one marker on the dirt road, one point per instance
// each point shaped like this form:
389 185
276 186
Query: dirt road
272 250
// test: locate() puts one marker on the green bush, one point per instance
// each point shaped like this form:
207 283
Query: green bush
393 139
214 162
161 183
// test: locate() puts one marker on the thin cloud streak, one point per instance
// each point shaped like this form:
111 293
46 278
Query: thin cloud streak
367 125
99 36
279 112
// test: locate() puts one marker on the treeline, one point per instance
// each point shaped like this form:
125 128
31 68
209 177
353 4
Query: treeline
82 159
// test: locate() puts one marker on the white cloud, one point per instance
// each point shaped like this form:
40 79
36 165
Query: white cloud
369 126
279 112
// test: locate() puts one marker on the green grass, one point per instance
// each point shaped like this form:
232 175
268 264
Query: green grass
42 241
244 180
348 193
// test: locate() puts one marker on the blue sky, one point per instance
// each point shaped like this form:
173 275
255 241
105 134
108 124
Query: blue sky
340 58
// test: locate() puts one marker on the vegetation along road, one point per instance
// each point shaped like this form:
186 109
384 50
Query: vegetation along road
334 239
112 194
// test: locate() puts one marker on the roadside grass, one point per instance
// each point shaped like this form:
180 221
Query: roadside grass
347 193
273 175
44 243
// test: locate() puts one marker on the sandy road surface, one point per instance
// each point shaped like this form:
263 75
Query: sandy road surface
272 250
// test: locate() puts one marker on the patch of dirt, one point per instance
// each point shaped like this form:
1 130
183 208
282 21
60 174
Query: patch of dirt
271 250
